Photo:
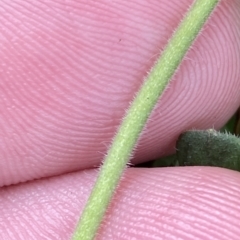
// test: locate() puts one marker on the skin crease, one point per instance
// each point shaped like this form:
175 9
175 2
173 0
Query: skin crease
68 72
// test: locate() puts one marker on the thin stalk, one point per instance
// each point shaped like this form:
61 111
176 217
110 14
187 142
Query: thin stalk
136 117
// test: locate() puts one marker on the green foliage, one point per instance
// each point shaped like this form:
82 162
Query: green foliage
209 148
230 126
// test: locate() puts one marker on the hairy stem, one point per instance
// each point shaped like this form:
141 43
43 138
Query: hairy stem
137 115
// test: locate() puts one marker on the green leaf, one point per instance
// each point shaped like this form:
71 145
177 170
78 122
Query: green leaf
209 148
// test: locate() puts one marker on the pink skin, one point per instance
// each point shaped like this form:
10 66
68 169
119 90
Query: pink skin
68 72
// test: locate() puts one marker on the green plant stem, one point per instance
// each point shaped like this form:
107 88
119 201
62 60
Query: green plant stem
137 115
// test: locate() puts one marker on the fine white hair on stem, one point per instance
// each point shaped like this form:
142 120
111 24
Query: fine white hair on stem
136 117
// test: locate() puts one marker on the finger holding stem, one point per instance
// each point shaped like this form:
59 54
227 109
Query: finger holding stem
137 115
